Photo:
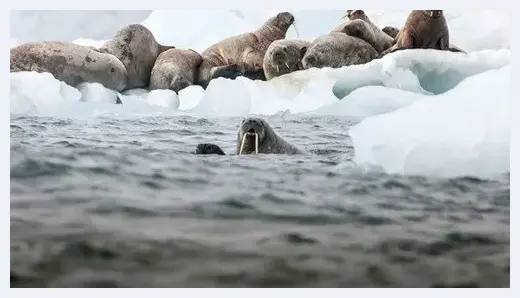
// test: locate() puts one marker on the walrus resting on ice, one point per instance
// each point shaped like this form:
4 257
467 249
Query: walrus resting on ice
255 136
243 55
137 48
69 62
284 56
336 50
424 29
359 25
393 31
175 69
382 40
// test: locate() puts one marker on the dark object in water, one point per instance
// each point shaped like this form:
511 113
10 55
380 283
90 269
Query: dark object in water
209 149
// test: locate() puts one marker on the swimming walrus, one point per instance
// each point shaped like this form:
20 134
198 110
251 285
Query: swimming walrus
424 29
137 48
255 136
370 33
243 55
69 62
336 50
284 56
175 69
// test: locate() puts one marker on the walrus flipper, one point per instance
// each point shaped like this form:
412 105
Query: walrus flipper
456 49
255 74
206 148
229 72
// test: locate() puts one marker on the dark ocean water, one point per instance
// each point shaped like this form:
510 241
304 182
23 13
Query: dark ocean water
124 202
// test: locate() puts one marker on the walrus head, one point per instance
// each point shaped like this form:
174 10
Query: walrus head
284 20
250 135
353 14
279 24
433 13
391 31
282 56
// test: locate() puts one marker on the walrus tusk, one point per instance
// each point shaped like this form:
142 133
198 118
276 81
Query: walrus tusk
277 68
431 14
287 64
296 30
256 143
244 142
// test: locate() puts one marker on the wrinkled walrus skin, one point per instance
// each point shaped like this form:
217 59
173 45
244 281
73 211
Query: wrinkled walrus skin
71 63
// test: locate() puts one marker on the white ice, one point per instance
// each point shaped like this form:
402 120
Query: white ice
424 112
464 131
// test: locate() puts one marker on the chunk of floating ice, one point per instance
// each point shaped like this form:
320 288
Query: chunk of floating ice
96 92
39 94
368 101
464 131
190 97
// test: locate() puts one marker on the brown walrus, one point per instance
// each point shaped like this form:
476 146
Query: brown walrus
393 31
336 50
284 56
376 37
175 69
424 29
243 55
69 62
137 48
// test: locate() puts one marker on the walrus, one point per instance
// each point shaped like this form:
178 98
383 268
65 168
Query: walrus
336 50
69 62
423 29
284 56
243 55
376 37
137 48
391 31
255 136
175 69
359 29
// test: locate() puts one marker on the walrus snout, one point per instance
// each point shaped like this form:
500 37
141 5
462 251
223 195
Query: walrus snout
285 19
355 13
252 126
280 56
